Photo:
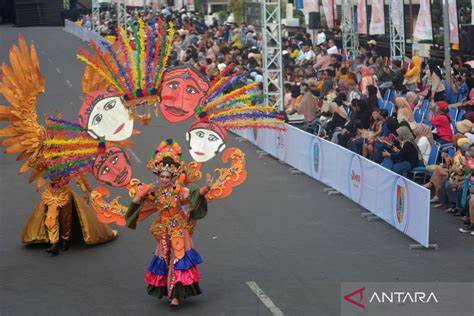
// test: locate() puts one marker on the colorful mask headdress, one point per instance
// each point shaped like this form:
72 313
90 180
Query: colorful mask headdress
167 157
235 109
137 74
69 150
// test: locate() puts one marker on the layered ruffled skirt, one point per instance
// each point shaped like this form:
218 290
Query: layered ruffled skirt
179 280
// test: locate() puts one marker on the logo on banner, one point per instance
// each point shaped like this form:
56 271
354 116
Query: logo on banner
356 179
281 145
316 152
400 205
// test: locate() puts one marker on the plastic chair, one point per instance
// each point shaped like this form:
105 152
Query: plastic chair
425 105
418 115
386 96
460 116
451 151
422 170
450 96
392 96
426 117
381 103
453 113
389 107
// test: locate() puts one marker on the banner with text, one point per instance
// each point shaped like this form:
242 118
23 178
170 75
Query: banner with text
395 199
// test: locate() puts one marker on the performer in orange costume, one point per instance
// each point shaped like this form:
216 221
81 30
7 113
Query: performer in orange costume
173 271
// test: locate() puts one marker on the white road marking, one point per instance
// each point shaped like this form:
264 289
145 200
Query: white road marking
69 83
264 298
50 60
135 157
58 70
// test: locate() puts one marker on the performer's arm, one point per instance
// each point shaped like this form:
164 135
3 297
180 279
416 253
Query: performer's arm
198 201
133 212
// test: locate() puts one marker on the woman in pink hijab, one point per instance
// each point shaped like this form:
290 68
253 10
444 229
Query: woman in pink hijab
366 80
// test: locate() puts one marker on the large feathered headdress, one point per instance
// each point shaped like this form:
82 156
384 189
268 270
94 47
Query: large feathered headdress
235 109
136 73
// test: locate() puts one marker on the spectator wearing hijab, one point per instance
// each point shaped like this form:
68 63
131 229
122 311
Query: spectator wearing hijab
367 79
407 157
442 122
424 140
309 105
412 77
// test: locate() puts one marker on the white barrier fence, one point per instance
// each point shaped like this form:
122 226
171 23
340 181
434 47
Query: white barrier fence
395 199
81 32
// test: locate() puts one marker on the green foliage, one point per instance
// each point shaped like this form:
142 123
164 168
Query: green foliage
464 11
237 8
222 15
199 6
298 14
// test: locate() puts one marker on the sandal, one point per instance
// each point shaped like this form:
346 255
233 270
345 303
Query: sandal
435 199
428 185
174 302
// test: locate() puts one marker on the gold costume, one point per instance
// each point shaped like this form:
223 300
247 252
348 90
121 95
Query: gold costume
52 219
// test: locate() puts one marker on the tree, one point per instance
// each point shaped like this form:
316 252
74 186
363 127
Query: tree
237 8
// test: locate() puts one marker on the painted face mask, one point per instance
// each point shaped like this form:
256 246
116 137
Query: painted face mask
182 90
205 140
104 115
113 167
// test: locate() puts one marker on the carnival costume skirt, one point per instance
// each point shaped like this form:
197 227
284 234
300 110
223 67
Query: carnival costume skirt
179 280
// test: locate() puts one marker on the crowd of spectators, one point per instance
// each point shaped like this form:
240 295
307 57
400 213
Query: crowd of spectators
396 113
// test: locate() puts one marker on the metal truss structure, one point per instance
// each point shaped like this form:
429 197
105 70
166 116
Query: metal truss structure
121 13
272 53
397 30
350 39
95 15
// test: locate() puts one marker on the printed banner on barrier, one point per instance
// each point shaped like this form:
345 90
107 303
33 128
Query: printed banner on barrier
395 199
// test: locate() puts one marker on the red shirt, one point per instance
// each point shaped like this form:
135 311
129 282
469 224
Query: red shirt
443 127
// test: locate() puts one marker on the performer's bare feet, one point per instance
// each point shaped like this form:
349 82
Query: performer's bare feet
174 302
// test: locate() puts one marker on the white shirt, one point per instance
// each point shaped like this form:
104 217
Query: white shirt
333 50
320 38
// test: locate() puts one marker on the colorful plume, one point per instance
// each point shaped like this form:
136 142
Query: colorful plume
134 72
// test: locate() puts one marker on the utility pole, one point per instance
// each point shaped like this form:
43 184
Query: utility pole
447 44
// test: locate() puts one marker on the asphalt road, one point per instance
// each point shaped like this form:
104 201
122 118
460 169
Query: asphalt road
278 230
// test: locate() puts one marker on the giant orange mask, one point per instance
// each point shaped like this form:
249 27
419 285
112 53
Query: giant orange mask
182 90
113 167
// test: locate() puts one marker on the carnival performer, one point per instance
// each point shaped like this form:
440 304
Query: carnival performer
51 221
173 271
